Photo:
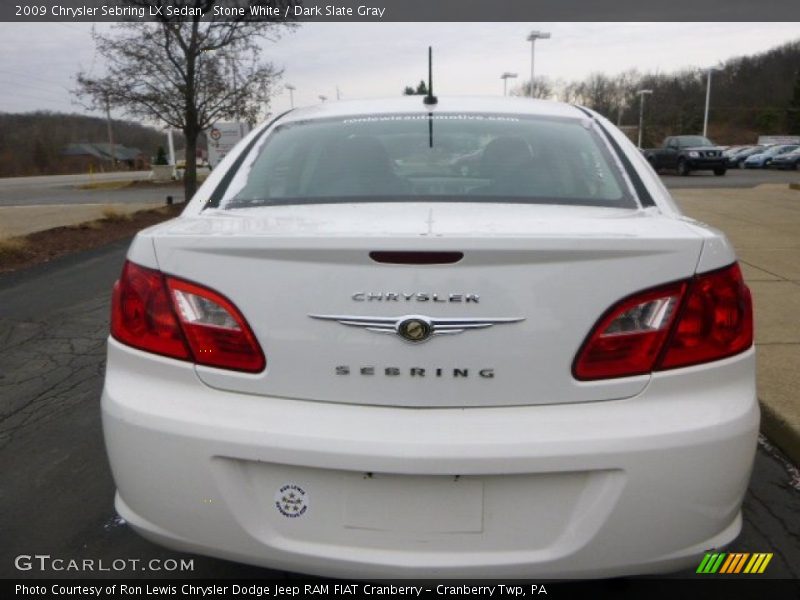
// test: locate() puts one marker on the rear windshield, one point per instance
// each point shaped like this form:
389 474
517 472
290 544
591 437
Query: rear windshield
430 158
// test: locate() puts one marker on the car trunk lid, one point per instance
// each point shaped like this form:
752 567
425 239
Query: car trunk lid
513 311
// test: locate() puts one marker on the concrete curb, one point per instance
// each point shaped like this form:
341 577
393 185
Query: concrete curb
780 432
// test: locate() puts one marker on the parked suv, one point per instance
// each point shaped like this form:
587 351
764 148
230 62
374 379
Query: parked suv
687 153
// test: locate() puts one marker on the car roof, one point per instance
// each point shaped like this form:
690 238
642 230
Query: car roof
445 104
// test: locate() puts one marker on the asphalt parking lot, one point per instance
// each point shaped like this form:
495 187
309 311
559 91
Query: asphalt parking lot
734 178
57 492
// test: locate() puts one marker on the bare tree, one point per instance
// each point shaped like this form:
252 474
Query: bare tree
625 86
186 72
570 92
542 88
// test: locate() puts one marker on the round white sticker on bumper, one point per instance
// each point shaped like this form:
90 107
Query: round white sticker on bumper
291 500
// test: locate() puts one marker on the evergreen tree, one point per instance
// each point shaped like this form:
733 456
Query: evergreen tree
421 90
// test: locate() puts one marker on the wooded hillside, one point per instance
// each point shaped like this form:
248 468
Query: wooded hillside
750 96
31 143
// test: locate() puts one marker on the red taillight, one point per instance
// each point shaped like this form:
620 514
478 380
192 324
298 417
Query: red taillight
629 338
716 320
706 318
215 329
182 320
142 315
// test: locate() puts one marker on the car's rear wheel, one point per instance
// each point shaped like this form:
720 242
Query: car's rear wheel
720 171
683 168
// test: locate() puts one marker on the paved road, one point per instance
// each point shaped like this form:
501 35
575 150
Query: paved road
39 181
61 189
56 493
734 178
66 194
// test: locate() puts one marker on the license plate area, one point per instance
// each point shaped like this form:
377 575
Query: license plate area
401 514
433 504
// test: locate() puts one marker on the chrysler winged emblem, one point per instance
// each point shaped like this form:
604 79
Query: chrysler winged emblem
416 328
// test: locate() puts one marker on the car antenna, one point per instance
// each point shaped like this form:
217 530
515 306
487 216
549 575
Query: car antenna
430 130
430 98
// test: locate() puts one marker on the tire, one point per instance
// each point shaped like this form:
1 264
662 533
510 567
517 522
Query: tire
720 171
683 168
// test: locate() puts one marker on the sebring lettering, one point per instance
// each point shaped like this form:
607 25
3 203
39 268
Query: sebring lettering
416 372
414 297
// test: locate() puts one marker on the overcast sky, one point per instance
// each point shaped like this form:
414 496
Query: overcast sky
39 60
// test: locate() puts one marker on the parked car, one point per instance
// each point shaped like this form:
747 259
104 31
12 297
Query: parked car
349 359
787 160
735 160
761 160
731 150
687 153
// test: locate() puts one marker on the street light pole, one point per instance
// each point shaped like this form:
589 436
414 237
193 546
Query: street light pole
708 98
535 35
112 153
642 94
322 98
505 77
291 89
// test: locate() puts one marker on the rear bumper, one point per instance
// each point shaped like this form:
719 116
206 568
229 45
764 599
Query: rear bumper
589 490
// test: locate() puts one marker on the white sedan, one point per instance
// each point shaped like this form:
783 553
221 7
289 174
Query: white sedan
475 338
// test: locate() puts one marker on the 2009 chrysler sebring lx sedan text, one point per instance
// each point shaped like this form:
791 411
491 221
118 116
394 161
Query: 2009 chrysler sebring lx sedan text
474 338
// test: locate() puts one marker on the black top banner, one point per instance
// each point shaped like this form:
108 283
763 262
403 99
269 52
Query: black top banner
400 10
